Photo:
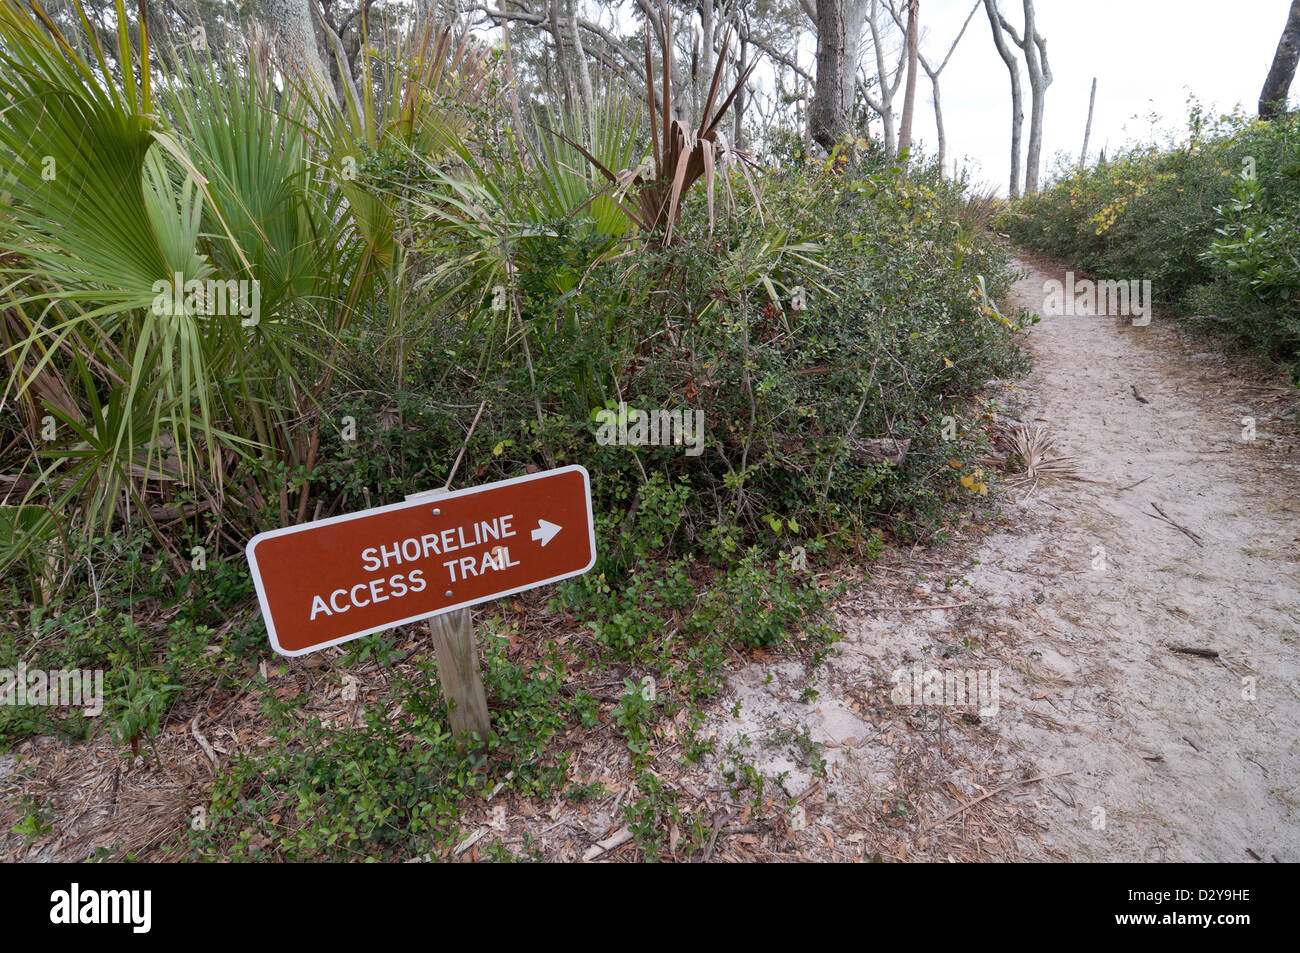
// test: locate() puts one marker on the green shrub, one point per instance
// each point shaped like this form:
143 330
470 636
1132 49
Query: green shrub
893 335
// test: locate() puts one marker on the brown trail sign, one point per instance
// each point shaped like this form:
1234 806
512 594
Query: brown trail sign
323 583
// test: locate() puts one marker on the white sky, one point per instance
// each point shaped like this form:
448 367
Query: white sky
1147 55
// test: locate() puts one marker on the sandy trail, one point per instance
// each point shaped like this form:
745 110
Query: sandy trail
1228 779
1171 757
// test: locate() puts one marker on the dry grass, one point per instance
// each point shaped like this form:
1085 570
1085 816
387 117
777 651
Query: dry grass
980 209
1032 450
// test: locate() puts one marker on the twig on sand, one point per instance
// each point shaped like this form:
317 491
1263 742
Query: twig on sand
1006 787
203 741
1132 485
1192 650
1160 514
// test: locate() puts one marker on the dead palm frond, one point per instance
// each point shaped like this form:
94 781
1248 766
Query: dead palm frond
682 155
1032 449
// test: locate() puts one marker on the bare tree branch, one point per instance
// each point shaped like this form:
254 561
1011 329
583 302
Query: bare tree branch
537 19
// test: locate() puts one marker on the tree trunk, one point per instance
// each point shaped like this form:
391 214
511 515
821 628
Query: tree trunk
290 23
738 107
1040 77
806 125
560 58
934 73
1087 130
826 120
340 64
938 121
839 31
706 53
584 74
525 147
884 103
909 95
1017 97
855 20
1273 98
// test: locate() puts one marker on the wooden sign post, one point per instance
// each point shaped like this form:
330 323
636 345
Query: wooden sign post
462 682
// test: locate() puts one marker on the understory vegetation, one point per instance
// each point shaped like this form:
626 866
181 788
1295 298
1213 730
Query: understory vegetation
420 258
1213 222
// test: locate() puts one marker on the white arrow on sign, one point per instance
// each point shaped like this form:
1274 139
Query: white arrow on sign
546 531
